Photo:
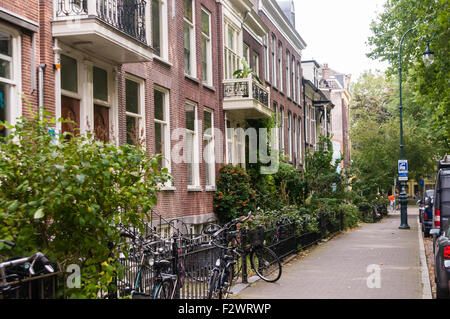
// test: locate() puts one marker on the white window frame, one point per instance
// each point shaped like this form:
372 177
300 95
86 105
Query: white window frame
289 131
195 185
192 43
300 149
282 130
85 91
274 61
288 73
308 124
208 57
165 124
246 53
277 127
255 63
141 107
294 93
280 65
298 83
229 142
313 125
266 57
163 30
210 164
294 133
14 83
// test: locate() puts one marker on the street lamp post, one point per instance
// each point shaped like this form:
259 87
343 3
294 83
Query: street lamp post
428 58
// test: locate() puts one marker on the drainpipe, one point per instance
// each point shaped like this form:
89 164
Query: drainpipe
41 90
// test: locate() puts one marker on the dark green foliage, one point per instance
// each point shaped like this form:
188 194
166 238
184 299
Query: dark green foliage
66 197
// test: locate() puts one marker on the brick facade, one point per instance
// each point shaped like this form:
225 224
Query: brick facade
164 73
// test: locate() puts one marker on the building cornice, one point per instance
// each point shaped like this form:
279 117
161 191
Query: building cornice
274 13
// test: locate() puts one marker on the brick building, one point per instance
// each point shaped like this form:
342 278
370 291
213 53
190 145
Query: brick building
336 86
135 71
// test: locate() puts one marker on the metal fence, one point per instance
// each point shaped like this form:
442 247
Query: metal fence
37 287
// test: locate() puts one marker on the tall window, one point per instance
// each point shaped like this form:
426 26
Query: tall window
313 125
255 63
229 138
206 48
280 65
282 129
308 124
293 95
288 73
277 134
7 80
232 59
156 30
294 134
266 57
208 147
69 74
189 38
289 131
246 53
134 111
191 144
162 134
274 61
298 83
300 150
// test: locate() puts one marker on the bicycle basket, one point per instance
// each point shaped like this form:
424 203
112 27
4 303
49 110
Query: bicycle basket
255 237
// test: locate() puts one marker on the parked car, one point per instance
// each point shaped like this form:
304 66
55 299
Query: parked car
427 212
442 264
440 230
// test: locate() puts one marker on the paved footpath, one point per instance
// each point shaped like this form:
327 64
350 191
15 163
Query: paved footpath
338 269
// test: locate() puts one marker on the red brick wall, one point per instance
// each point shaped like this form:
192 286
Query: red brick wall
180 202
280 97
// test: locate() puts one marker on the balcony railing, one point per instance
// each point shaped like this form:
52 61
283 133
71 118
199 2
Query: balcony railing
127 16
246 88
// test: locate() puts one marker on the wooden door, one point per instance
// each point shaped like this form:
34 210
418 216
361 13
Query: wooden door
101 123
70 110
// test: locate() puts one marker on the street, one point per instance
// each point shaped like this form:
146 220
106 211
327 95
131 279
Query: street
340 268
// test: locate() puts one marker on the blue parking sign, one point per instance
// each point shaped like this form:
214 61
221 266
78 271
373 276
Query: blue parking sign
402 170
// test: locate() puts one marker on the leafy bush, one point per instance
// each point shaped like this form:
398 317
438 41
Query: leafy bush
65 196
235 195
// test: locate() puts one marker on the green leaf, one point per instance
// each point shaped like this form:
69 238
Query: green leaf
39 213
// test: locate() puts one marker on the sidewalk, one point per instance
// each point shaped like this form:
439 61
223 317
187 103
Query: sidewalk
337 269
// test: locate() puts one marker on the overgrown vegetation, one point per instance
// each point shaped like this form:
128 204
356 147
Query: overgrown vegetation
66 197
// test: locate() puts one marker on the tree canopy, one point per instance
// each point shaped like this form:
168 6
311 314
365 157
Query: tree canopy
429 89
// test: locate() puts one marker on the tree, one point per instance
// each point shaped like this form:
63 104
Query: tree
375 135
428 85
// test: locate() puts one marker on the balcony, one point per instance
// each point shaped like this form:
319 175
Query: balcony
115 30
246 98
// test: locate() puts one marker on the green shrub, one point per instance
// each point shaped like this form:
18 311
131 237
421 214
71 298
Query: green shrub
65 197
235 195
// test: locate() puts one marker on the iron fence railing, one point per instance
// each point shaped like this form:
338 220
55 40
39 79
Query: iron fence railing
244 88
38 287
127 16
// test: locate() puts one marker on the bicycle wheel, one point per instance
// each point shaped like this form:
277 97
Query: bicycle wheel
213 290
228 282
266 264
164 290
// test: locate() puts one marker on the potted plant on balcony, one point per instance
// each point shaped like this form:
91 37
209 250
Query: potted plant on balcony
245 73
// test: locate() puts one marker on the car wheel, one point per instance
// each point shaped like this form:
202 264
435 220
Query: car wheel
442 294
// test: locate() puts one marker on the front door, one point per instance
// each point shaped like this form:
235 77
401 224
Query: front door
70 111
101 123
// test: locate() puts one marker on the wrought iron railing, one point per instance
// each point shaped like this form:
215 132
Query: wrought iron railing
127 16
245 88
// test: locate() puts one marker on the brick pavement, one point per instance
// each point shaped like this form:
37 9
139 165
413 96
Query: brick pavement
337 269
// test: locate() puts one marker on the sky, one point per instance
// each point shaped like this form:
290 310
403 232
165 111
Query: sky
335 32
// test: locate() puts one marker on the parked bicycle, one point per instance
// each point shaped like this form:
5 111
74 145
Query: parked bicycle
13 271
264 261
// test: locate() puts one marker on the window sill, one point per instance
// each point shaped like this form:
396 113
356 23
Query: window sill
209 87
193 188
162 60
193 79
210 188
169 188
